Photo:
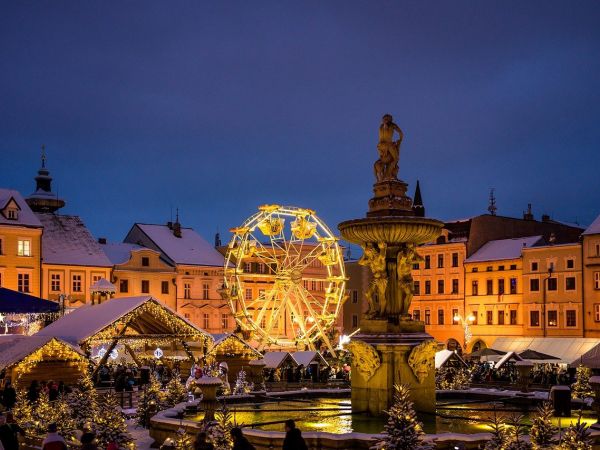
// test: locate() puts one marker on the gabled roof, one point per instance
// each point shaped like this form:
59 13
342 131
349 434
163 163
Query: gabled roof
67 241
221 338
503 249
15 348
190 248
443 356
19 303
88 322
594 228
274 360
120 252
26 216
307 357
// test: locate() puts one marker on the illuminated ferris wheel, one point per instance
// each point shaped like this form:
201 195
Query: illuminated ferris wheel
284 277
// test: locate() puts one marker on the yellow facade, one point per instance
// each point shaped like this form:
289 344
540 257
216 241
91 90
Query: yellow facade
553 291
494 299
20 258
439 291
591 283
146 274
71 281
359 278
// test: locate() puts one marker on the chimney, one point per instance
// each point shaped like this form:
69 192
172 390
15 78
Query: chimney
545 218
102 241
177 229
217 240
170 225
528 215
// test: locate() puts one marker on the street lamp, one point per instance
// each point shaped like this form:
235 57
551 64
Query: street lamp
465 322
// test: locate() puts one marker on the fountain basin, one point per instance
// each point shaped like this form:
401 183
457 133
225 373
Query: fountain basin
394 230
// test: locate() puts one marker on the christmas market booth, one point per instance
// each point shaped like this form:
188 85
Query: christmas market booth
279 366
311 362
27 358
234 351
129 329
24 314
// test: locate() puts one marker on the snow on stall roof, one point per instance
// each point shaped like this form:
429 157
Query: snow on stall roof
120 252
503 249
273 360
594 228
443 356
88 320
67 241
307 357
221 337
570 350
190 248
19 347
26 216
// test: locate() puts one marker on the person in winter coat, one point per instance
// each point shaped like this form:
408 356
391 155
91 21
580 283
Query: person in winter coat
293 437
239 440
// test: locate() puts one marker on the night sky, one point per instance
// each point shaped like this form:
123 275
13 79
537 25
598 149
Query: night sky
219 107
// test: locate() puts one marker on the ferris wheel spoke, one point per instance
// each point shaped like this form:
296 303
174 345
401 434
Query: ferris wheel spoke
268 251
317 320
276 314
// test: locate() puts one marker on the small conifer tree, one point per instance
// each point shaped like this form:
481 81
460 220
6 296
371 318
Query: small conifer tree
110 425
582 388
542 431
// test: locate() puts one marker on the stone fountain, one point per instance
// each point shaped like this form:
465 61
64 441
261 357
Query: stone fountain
391 347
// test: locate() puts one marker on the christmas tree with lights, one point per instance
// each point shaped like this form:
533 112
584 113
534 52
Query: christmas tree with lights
241 384
150 402
110 425
514 434
499 438
403 431
83 401
218 432
542 431
582 388
182 440
576 437
176 392
23 412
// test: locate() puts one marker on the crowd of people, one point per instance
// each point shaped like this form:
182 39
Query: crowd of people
541 374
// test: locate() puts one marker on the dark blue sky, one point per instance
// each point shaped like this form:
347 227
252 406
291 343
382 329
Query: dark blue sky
216 108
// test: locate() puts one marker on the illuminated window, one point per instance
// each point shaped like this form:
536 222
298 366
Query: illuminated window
24 247
261 268
224 321
513 285
187 290
571 318
55 282
247 267
23 282
205 291
427 317
475 287
534 318
553 318
417 314
145 286
76 283
475 317
96 278
455 318
206 321
313 285
248 295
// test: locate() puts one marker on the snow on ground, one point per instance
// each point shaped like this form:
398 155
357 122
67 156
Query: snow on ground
143 441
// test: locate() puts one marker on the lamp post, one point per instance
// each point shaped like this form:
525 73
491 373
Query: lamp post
465 322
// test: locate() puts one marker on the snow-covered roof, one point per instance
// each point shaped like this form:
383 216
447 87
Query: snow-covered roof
103 285
568 349
506 358
120 252
443 356
220 338
66 240
15 348
190 248
87 321
503 249
274 360
305 358
594 228
26 217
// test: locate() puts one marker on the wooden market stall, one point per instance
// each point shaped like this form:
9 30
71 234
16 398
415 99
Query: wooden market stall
135 324
41 358
279 366
233 350
312 363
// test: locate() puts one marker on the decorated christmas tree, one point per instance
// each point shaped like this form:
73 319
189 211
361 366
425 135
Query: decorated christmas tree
581 388
497 428
23 413
542 431
182 440
403 431
576 437
110 425
150 402
515 433
452 378
242 386
35 418
83 401
176 392
218 432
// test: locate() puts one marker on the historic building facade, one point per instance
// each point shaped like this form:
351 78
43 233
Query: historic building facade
591 279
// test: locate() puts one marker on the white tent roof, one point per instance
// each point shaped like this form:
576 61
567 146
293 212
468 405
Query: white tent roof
305 358
591 358
568 349
88 320
506 358
273 360
443 356
19 347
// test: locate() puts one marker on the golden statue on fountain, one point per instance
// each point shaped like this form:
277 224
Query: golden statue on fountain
386 167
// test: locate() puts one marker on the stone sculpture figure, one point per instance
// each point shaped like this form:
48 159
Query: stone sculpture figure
405 260
386 167
422 359
375 259
365 357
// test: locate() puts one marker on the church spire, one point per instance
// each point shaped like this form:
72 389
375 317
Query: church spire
43 199
418 207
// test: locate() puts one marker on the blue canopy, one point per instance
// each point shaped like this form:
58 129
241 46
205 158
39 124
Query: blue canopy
13 302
